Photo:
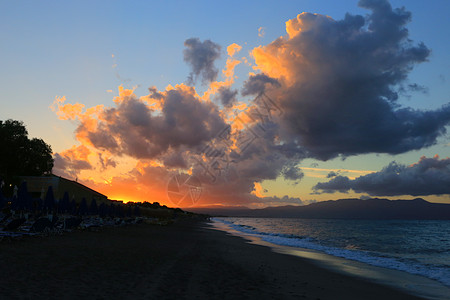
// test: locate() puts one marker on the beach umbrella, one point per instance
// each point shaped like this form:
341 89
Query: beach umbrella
120 212
93 208
21 196
14 203
24 198
83 209
73 207
49 202
137 211
64 204
102 210
14 224
112 210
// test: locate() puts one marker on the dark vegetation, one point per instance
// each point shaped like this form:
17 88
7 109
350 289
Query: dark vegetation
20 155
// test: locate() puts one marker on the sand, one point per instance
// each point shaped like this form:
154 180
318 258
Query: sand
186 260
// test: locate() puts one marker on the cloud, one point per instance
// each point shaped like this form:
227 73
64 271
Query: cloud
233 49
172 128
429 176
257 84
292 172
141 131
201 57
72 161
66 111
227 96
332 174
332 86
418 88
261 31
340 81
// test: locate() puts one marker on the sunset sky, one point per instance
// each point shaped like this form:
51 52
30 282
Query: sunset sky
263 102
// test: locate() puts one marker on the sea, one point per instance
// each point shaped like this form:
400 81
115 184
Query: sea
418 247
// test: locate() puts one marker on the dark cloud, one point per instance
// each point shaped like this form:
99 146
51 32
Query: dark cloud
106 162
257 84
201 56
231 178
134 129
154 93
227 96
430 176
69 166
340 81
418 88
292 172
332 174
175 159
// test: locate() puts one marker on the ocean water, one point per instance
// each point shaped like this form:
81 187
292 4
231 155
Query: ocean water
416 247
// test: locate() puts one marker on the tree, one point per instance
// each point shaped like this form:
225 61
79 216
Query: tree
21 156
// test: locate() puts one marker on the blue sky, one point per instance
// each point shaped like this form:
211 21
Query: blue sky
84 50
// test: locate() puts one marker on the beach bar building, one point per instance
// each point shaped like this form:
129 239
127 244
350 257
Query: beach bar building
37 185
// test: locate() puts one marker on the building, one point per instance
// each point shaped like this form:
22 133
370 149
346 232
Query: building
38 185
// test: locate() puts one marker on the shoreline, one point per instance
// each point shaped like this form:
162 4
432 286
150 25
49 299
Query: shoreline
186 260
400 280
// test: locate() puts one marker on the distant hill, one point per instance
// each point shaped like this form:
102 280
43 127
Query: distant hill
221 211
417 209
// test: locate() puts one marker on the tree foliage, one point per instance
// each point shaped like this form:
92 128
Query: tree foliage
20 155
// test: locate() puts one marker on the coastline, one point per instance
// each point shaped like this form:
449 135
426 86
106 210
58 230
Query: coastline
186 260
410 283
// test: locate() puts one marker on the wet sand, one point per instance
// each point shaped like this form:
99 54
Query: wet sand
187 260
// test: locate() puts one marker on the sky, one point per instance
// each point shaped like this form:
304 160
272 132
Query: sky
257 103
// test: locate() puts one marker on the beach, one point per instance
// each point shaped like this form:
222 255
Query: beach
185 260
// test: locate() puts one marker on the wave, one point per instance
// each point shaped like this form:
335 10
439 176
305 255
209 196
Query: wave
441 274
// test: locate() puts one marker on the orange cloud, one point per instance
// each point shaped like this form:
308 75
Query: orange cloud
66 111
228 72
272 61
77 153
229 69
233 49
258 190
124 94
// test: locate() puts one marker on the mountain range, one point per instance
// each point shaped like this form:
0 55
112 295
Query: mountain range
375 208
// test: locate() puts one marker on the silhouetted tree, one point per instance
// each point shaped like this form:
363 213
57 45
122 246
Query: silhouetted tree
21 156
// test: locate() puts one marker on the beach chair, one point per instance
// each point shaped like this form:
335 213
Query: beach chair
42 225
14 224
